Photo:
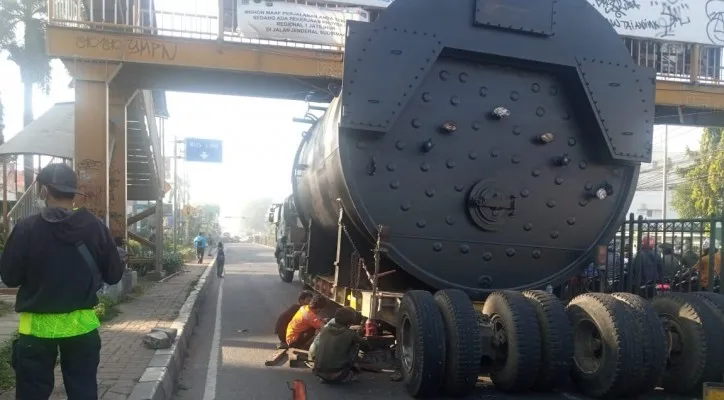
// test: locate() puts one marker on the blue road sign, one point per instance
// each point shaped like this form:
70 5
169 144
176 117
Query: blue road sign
204 150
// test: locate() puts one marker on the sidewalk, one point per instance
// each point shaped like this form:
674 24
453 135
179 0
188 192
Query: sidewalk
124 358
9 321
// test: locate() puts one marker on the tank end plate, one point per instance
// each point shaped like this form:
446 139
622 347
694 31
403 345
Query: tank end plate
372 103
608 86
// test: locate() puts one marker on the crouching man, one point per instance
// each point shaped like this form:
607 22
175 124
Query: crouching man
335 350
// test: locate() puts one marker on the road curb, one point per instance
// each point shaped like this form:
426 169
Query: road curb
265 246
159 379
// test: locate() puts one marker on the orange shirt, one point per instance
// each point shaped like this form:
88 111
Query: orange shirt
703 268
304 319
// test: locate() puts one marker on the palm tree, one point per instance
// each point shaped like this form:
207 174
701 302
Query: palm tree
28 52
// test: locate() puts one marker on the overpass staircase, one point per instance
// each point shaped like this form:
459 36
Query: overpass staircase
143 156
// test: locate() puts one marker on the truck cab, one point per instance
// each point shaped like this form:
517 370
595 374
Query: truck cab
290 237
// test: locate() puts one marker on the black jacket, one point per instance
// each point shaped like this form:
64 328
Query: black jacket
42 258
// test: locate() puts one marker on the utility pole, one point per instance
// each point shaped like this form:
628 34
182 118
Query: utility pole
159 202
175 194
666 169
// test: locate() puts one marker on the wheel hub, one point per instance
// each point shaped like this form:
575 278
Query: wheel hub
588 347
408 347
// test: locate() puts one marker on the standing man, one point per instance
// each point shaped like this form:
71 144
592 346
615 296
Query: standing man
200 244
59 258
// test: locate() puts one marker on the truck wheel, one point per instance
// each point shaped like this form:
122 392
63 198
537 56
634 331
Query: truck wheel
516 341
286 276
606 352
654 343
693 332
421 342
714 299
556 340
463 349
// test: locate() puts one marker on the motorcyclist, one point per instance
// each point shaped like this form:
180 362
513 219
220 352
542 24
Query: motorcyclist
647 266
671 262
702 267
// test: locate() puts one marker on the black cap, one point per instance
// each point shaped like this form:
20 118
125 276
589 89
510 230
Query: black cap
60 177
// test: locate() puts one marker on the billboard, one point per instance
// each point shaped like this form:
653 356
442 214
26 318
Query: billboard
271 20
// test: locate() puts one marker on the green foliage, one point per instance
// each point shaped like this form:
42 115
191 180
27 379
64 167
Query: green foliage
6 308
702 192
172 262
106 308
134 248
7 374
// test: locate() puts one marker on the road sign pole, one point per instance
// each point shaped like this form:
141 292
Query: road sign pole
175 194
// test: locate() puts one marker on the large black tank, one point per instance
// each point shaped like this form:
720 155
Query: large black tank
498 140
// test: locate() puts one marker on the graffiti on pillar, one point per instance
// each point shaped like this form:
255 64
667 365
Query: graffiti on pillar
88 164
92 192
114 182
117 224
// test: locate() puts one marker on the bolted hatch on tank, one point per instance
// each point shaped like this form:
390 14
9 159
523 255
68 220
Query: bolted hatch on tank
494 158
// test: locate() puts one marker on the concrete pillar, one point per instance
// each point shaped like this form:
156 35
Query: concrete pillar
91 132
119 99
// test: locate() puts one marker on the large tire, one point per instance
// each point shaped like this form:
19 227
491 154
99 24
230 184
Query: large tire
520 341
463 347
653 342
421 338
284 274
607 353
695 345
716 300
556 340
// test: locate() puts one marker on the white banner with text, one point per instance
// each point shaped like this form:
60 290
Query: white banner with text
689 21
362 3
271 20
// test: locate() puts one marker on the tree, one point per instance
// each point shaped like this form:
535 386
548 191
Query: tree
255 214
28 52
702 192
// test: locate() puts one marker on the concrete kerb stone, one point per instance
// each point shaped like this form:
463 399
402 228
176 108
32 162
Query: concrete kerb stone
159 378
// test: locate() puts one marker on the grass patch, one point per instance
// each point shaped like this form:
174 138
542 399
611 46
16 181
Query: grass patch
6 308
7 374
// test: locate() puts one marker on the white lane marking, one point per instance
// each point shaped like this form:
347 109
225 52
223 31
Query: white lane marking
213 370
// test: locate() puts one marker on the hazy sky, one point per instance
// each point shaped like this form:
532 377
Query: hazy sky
259 137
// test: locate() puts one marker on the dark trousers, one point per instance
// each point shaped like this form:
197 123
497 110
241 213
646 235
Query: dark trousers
343 374
200 254
219 267
34 362
304 340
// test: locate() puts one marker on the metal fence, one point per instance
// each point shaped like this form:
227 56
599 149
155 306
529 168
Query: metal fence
649 256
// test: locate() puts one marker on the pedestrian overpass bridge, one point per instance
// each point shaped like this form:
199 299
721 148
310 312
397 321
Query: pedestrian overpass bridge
113 48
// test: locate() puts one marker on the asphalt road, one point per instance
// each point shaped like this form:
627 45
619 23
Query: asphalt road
252 296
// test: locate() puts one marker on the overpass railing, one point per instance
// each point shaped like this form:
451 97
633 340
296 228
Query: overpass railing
219 20
27 204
